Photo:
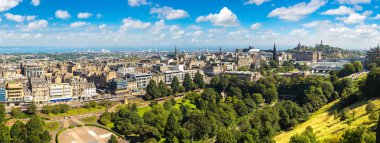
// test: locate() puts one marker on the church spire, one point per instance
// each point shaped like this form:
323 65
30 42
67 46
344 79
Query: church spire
274 52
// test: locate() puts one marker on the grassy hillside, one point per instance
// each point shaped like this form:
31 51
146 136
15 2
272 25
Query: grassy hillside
329 128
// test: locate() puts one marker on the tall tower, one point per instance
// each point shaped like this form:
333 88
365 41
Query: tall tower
220 50
274 52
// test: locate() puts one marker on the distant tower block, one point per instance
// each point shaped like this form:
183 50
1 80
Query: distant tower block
274 52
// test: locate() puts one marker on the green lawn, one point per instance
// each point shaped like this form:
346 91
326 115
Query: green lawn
78 111
51 126
89 119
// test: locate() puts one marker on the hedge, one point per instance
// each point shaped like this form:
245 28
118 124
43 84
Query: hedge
59 132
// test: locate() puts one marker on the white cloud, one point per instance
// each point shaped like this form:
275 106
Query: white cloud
376 17
354 2
136 3
35 25
78 24
8 4
298 11
158 27
353 18
35 2
102 27
30 17
129 23
169 13
19 18
257 2
197 33
62 14
14 17
342 10
269 34
298 32
176 30
84 15
256 26
224 18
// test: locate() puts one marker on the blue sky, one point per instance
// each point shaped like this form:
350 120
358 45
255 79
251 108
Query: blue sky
351 24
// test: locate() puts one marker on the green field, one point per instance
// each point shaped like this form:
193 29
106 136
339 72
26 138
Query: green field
79 111
51 126
329 128
91 119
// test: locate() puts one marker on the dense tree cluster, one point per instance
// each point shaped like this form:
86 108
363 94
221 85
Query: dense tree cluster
350 68
232 109
55 109
154 91
31 132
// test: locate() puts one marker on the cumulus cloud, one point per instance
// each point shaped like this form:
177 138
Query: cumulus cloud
257 2
169 13
256 26
14 17
158 27
376 17
353 18
36 25
224 18
78 24
136 3
298 32
62 14
35 2
102 27
84 15
354 2
8 4
342 10
298 11
129 23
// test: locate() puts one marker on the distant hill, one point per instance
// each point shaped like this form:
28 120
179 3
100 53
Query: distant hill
329 128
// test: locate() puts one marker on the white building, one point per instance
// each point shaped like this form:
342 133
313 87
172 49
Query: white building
142 79
60 92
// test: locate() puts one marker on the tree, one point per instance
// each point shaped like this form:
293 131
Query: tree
347 70
372 83
181 89
18 131
31 109
16 112
172 128
113 139
358 66
358 135
4 134
271 95
175 85
305 137
163 89
258 98
214 82
236 92
198 80
2 113
105 118
187 82
226 136
370 107
152 91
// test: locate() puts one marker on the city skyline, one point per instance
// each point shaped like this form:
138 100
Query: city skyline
349 24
